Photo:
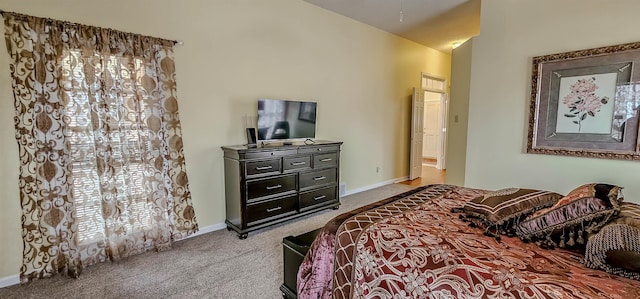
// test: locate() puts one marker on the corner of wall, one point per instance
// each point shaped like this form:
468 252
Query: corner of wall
458 113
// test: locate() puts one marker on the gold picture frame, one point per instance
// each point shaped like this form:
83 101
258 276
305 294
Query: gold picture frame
586 103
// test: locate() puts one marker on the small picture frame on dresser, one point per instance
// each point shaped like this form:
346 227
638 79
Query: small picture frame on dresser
251 137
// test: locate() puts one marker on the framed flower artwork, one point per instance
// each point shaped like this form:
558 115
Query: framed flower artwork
586 103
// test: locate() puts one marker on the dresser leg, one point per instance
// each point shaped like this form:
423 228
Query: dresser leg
243 236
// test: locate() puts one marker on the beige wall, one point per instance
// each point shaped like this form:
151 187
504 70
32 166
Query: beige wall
458 113
512 32
235 52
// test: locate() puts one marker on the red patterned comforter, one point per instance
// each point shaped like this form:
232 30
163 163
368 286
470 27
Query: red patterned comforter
412 246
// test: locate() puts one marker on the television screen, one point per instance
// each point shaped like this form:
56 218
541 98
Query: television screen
286 119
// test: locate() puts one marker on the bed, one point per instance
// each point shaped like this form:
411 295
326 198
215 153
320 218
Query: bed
413 246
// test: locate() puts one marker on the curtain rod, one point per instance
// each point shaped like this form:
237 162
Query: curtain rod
176 42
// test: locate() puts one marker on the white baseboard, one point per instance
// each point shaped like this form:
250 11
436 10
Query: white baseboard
9 281
365 188
208 229
401 179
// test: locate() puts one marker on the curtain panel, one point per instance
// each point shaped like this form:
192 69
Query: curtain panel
102 170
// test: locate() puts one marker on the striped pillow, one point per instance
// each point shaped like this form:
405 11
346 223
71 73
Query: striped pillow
502 209
584 210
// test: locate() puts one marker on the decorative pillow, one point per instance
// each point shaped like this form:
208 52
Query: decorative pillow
615 249
503 208
584 210
629 214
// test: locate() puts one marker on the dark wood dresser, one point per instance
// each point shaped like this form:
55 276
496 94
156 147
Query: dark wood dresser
275 183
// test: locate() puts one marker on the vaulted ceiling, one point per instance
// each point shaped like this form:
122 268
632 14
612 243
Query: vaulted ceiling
434 23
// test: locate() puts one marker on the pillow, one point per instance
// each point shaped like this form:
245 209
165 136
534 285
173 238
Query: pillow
615 249
629 214
584 210
503 208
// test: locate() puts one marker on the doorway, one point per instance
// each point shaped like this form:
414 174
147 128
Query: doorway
428 127
435 120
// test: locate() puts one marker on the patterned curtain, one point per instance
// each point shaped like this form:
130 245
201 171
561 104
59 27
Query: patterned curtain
102 170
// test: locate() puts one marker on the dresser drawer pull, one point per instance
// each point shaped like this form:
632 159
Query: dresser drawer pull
320 197
264 167
274 209
319 178
274 187
326 160
298 163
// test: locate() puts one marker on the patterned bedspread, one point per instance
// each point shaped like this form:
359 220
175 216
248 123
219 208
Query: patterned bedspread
412 246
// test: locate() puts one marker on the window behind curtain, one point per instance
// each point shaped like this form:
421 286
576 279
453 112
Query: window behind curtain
123 137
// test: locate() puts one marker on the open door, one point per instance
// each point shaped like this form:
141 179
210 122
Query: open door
435 127
436 106
432 124
417 119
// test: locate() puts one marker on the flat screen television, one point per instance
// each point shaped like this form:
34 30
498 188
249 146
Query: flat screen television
286 119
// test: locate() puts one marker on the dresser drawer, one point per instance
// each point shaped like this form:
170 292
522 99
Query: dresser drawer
319 149
317 197
318 178
264 166
291 163
261 153
270 186
268 209
325 160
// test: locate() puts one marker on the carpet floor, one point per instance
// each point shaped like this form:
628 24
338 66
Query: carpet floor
212 265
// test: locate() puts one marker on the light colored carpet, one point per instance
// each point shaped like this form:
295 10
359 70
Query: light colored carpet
213 265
